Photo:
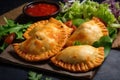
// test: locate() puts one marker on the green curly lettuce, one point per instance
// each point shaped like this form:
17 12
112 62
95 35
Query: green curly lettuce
12 27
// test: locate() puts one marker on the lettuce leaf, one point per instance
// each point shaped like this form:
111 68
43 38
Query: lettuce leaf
12 27
86 10
105 42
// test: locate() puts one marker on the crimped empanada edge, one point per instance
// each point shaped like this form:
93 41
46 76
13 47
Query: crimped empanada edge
82 67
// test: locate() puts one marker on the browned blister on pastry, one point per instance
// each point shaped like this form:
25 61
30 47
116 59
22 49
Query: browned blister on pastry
88 32
43 42
79 58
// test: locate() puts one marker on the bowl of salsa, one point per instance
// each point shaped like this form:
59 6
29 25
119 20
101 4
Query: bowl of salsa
38 10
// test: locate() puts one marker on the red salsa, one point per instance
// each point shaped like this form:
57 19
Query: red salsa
41 9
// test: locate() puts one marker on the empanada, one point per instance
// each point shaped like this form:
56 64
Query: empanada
43 41
80 58
88 32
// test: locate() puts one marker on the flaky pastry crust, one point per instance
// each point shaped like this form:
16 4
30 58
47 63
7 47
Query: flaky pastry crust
38 26
88 32
44 39
79 58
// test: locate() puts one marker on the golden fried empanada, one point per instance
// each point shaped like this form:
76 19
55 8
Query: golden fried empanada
88 32
80 58
43 41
